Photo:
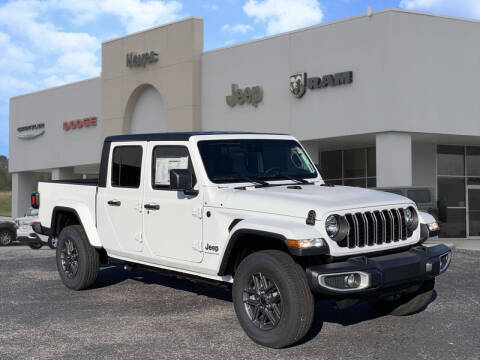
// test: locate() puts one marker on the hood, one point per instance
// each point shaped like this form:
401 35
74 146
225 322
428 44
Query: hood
285 200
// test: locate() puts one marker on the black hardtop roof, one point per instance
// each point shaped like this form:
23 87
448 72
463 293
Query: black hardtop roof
177 136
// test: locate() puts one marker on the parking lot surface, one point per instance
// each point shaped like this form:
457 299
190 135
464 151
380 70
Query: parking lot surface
143 314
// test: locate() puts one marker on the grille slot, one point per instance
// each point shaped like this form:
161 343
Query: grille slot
375 228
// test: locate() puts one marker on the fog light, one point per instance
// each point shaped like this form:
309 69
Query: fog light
352 281
347 281
433 226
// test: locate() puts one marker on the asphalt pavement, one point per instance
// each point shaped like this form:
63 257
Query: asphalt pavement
144 314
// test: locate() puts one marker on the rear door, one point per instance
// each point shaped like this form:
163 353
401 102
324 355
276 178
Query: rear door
172 220
119 204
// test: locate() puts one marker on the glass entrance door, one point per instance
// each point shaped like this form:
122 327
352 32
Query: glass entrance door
473 195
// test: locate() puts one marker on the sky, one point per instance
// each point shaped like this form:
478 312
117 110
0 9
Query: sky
46 43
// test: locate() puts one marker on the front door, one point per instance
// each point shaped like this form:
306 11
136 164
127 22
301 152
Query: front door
119 203
172 220
473 193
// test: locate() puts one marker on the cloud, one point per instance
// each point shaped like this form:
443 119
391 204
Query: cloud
210 7
284 15
14 58
135 15
238 28
463 8
230 42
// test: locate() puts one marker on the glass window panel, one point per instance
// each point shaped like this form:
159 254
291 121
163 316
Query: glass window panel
473 181
452 191
331 163
127 166
354 163
355 182
371 162
474 212
371 182
334 182
451 160
455 225
169 157
473 160
420 196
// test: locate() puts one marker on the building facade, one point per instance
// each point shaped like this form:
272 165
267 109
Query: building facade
384 100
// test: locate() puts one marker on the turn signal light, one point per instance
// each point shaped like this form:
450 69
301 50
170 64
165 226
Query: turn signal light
305 243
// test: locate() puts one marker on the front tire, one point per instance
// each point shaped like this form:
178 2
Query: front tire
6 237
272 299
77 261
407 304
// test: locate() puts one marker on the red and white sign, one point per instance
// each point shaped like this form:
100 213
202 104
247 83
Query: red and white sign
80 123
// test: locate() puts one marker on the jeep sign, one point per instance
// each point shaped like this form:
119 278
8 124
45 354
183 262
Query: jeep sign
252 95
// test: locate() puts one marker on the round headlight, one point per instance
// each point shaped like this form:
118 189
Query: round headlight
411 218
331 225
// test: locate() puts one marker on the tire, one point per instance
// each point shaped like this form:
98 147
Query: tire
6 237
52 242
407 304
77 261
288 299
36 245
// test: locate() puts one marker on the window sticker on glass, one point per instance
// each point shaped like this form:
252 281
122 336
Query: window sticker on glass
163 167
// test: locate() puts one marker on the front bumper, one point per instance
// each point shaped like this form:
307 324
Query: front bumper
379 273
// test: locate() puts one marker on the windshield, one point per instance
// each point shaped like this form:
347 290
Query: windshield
239 160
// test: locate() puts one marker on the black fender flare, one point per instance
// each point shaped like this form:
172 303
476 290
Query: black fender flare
236 237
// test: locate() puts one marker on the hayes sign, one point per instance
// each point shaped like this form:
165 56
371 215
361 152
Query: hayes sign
80 123
141 60
300 82
252 95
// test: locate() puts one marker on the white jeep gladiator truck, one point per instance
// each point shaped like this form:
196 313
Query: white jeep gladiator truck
247 209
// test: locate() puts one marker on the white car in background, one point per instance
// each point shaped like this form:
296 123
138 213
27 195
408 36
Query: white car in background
26 234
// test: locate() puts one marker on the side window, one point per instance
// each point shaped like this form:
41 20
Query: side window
166 158
127 166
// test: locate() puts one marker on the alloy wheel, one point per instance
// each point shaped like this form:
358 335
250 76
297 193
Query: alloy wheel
69 258
263 302
5 238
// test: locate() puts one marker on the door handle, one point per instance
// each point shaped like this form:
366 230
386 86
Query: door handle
151 206
114 202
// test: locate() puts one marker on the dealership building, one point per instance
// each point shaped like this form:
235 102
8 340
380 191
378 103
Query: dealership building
389 99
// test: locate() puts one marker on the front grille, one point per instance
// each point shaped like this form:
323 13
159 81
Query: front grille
375 228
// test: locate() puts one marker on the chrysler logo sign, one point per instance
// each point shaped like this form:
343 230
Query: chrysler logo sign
31 131
300 82
141 60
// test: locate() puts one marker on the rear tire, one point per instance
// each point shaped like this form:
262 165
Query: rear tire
6 237
272 299
407 304
77 261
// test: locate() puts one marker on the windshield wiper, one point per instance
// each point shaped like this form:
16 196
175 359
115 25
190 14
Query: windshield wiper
292 178
256 181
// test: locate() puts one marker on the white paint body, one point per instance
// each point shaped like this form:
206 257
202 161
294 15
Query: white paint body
176 236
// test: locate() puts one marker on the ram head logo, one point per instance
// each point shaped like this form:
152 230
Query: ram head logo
298 84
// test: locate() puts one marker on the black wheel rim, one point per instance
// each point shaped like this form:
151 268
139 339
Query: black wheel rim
5 238
69 258
263 302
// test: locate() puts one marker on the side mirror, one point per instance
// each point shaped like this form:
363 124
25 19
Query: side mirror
182 180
